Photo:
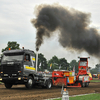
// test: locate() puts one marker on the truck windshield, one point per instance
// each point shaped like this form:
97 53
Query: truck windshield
83 63
12 57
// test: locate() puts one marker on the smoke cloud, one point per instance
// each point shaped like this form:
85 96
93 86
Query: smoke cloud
73 25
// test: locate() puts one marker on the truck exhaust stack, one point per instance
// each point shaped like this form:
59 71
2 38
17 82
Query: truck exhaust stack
36 60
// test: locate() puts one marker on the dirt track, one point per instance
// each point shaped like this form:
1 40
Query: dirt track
19 92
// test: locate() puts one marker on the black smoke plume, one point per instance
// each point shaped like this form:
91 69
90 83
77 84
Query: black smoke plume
72 24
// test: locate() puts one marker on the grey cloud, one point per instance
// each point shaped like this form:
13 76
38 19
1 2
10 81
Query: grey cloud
75 32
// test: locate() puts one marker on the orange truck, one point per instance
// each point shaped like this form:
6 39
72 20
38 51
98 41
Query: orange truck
70 79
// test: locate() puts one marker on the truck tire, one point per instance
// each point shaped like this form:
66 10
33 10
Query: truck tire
83 84
29 83
86 84
48 84
8 86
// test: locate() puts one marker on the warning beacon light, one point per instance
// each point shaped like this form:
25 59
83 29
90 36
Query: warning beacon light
9 48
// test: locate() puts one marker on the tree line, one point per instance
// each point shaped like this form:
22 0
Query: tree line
53 63
96 70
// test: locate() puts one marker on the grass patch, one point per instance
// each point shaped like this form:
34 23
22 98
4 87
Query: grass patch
95 80
85 97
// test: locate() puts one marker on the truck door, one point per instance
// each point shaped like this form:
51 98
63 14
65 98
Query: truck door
28 65
33 61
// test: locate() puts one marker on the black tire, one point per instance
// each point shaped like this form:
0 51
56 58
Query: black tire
48 84
44 87
8 86
86 84
29 83
83 84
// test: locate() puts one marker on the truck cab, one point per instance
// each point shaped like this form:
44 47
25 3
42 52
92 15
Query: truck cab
16 66
83 66
83 76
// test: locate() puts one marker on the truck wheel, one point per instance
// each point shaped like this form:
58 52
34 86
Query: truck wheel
83 84
86 84
29 83
8 86
48 84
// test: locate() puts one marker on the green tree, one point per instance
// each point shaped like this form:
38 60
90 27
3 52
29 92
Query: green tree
54 62
12 45
63 64
93 71
96 69
57 63
72 64
42 62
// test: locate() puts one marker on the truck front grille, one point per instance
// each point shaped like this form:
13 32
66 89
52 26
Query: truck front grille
11 69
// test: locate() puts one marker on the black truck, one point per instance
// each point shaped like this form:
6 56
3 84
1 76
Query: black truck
18 67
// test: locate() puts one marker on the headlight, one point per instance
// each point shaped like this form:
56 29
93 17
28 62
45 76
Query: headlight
0 79
19 78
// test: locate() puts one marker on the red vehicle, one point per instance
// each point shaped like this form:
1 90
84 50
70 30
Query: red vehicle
70 79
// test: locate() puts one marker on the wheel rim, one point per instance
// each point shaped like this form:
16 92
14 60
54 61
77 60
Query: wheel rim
30 82
49 85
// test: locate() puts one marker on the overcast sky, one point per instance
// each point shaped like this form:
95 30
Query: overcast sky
15 25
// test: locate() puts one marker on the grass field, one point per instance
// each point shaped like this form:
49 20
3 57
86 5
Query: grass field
95 80
85 97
